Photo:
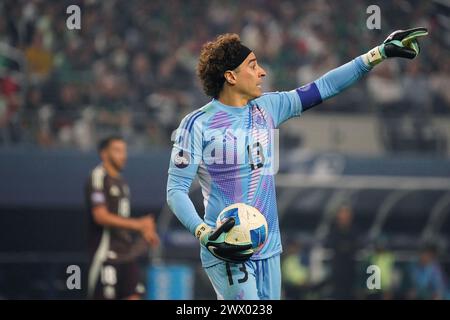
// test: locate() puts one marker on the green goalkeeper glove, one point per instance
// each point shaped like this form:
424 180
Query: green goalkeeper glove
214 241
400 43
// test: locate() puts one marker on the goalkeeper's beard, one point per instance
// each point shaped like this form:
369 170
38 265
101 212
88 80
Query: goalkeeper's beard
118 167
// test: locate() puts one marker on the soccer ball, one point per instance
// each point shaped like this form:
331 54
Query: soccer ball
250 225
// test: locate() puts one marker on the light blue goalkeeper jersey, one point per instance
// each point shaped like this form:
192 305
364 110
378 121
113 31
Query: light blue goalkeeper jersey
233 152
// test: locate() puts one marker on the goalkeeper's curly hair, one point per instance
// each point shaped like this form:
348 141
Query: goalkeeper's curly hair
212 63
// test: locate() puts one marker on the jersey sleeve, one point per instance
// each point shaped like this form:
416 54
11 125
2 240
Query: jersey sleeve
187 148
185 158
285 105
96 188
281 105
340 78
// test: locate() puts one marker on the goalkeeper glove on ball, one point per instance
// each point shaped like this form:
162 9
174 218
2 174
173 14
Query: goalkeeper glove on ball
400 43
214 241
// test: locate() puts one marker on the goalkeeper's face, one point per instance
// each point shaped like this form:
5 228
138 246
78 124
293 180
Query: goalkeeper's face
249 77
116 154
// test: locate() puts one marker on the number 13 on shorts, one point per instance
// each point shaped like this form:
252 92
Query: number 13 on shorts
252 280
233 281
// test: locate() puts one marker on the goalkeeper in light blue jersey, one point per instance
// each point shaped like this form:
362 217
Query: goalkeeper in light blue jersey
229 145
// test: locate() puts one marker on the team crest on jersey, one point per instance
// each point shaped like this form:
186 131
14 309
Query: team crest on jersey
114 191
181 159
259 122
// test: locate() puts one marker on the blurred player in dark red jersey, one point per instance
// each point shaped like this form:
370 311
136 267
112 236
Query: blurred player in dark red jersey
116 240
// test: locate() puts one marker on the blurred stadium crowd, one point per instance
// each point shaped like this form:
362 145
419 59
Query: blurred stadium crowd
131 67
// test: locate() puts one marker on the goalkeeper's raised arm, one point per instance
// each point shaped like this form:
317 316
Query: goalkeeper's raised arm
401 44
